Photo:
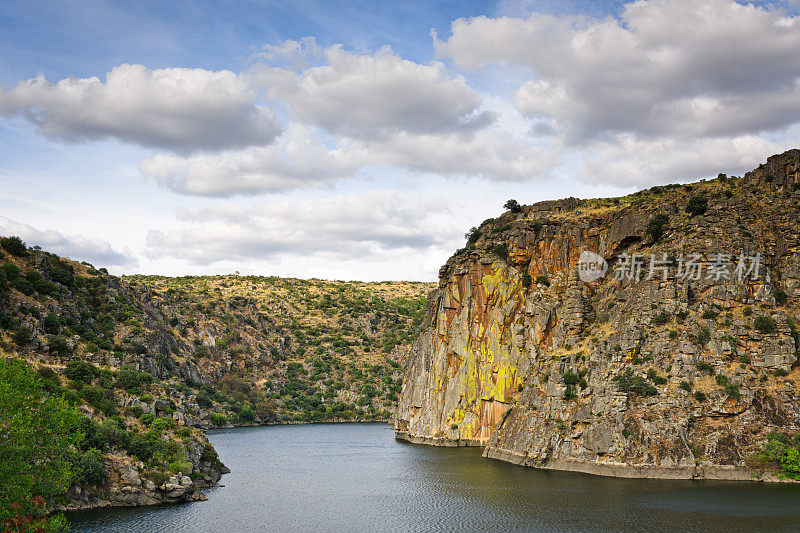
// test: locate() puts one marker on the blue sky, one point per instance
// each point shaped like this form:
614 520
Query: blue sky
341 140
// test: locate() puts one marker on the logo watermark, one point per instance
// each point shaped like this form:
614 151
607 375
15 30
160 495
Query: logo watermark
591 266
635 267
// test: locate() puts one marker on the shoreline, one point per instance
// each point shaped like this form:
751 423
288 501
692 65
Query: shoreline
619 470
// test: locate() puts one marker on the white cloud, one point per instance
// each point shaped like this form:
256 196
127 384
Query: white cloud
362 225
489 154
300 159
98 252
380 94
177 109
688 68
631 161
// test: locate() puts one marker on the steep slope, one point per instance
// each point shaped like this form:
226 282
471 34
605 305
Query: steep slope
152 361
627 375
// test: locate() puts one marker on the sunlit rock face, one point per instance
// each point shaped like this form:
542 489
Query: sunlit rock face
653 370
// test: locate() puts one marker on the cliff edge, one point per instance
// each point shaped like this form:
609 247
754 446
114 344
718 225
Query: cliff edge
653 335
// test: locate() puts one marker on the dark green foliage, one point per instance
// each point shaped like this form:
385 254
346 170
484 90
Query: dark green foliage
632 383
90 469
37 433
499 249
685 385
59 346
702 366
145 446
61 272
655 228
704 336
81 371
128 378
21 335
661 319
14 246
699 396
472 236
218 419
697 205
542 280
526 280
653 376
51 324
513 206
781 453
781 297
571 378
764 324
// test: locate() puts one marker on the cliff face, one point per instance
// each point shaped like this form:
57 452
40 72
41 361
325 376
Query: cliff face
670 375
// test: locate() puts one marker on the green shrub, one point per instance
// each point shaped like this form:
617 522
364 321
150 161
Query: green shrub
513 206
542 280
127 378
655 228
59 346
685 385
697 205
526 280
699 396
703 337
21 335
14 246
90 469
702 366
81 371
653 376
183 467
571 378
218 419
162 423
661 319
781 297
147 419
629 382
764 324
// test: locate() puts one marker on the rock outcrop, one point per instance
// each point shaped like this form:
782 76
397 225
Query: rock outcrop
652 370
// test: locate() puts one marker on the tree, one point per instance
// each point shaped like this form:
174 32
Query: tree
14 246
655 228
697 205
38 435
513 206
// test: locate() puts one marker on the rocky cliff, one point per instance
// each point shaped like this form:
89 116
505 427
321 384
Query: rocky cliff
679 362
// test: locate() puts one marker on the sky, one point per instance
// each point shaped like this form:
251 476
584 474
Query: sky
360 140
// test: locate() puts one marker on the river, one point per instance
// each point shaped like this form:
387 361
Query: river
357 477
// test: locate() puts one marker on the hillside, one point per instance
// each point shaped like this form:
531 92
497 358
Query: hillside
690 372
150 362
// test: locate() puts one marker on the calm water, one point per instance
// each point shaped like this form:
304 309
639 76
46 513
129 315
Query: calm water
356 477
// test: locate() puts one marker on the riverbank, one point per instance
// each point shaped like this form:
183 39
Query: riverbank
607 468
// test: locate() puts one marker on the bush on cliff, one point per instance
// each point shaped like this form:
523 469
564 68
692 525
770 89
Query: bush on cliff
655 228
513 206
764 324
632 383
781 453
14 246
697 205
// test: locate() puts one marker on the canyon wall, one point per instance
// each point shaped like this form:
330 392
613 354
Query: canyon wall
662 372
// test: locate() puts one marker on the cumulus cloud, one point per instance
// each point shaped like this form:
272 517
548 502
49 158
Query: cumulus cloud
690 69
299 160
490 154
98 252
630 161
177 109
337 227
379 94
